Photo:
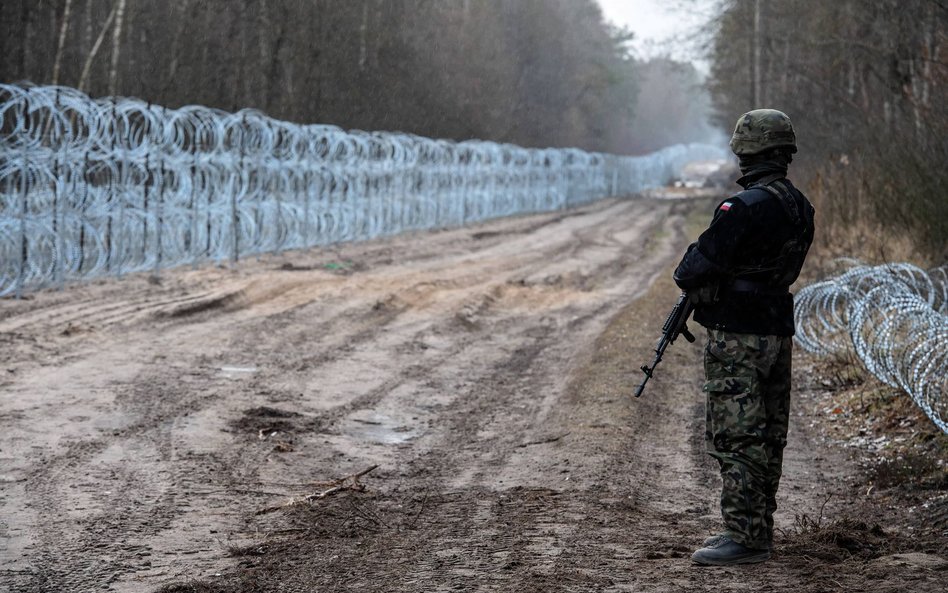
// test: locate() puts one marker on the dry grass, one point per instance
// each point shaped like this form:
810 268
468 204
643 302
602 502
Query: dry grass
912 468
836 541
903 458
860 406
859 216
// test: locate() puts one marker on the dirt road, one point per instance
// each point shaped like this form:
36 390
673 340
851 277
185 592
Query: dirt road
485 371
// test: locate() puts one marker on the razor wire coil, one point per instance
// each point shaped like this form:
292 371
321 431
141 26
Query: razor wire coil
92 187
893 318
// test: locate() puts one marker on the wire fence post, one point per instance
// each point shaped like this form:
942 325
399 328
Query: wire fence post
235 250
278 223
59 251
192 221
209 223
159 207
307 190
159 221
149 180
82 215
113 264
22 247
24 189
615 179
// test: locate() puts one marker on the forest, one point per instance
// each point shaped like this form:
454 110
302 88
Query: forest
864 83
531 72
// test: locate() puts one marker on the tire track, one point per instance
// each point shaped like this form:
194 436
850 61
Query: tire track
436 357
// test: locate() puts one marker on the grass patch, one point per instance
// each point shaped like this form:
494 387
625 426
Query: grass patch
911 468
836 541
909 451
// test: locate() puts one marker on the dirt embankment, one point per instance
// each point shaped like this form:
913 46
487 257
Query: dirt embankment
485 371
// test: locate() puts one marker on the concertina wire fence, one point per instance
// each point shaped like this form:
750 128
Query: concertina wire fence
893 317
94 187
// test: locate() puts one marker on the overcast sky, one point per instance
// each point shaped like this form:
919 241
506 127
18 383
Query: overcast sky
662 26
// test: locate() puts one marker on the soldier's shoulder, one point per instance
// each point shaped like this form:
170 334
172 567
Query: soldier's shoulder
752 196
731 204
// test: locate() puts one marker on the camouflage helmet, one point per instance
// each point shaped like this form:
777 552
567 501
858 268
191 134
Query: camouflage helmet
762 129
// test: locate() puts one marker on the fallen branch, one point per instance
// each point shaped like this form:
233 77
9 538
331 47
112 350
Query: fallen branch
542 442
420 511
352 478
348 483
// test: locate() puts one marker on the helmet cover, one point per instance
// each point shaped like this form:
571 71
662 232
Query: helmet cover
760 130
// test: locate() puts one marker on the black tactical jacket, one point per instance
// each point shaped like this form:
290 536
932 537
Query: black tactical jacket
750 255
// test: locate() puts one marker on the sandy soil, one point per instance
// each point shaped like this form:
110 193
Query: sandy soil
485 371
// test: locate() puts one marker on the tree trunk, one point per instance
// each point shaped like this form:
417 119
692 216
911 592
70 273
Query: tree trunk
363 28
116 46
176 44
60 45
756 101
87 67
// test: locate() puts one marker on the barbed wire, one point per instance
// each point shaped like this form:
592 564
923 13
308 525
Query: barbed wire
893 317
92 187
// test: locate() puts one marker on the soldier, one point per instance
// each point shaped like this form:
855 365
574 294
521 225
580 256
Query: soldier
742 267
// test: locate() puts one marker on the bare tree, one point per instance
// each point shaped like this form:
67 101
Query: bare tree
865 84
116 46
87 66
532 72
61 43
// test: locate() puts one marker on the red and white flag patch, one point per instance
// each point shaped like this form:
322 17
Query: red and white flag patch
725 206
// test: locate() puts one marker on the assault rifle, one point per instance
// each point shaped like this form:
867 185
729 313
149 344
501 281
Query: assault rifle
675 325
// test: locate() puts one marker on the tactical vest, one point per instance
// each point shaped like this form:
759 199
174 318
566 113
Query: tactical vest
785 267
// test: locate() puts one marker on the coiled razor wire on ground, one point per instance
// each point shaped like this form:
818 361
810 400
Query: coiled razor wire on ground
112 186
894 318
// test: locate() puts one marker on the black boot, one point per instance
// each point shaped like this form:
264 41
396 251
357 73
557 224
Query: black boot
710 541
713 539
725 552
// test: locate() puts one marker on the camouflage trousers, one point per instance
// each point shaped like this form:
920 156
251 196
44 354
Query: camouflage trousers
748 410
